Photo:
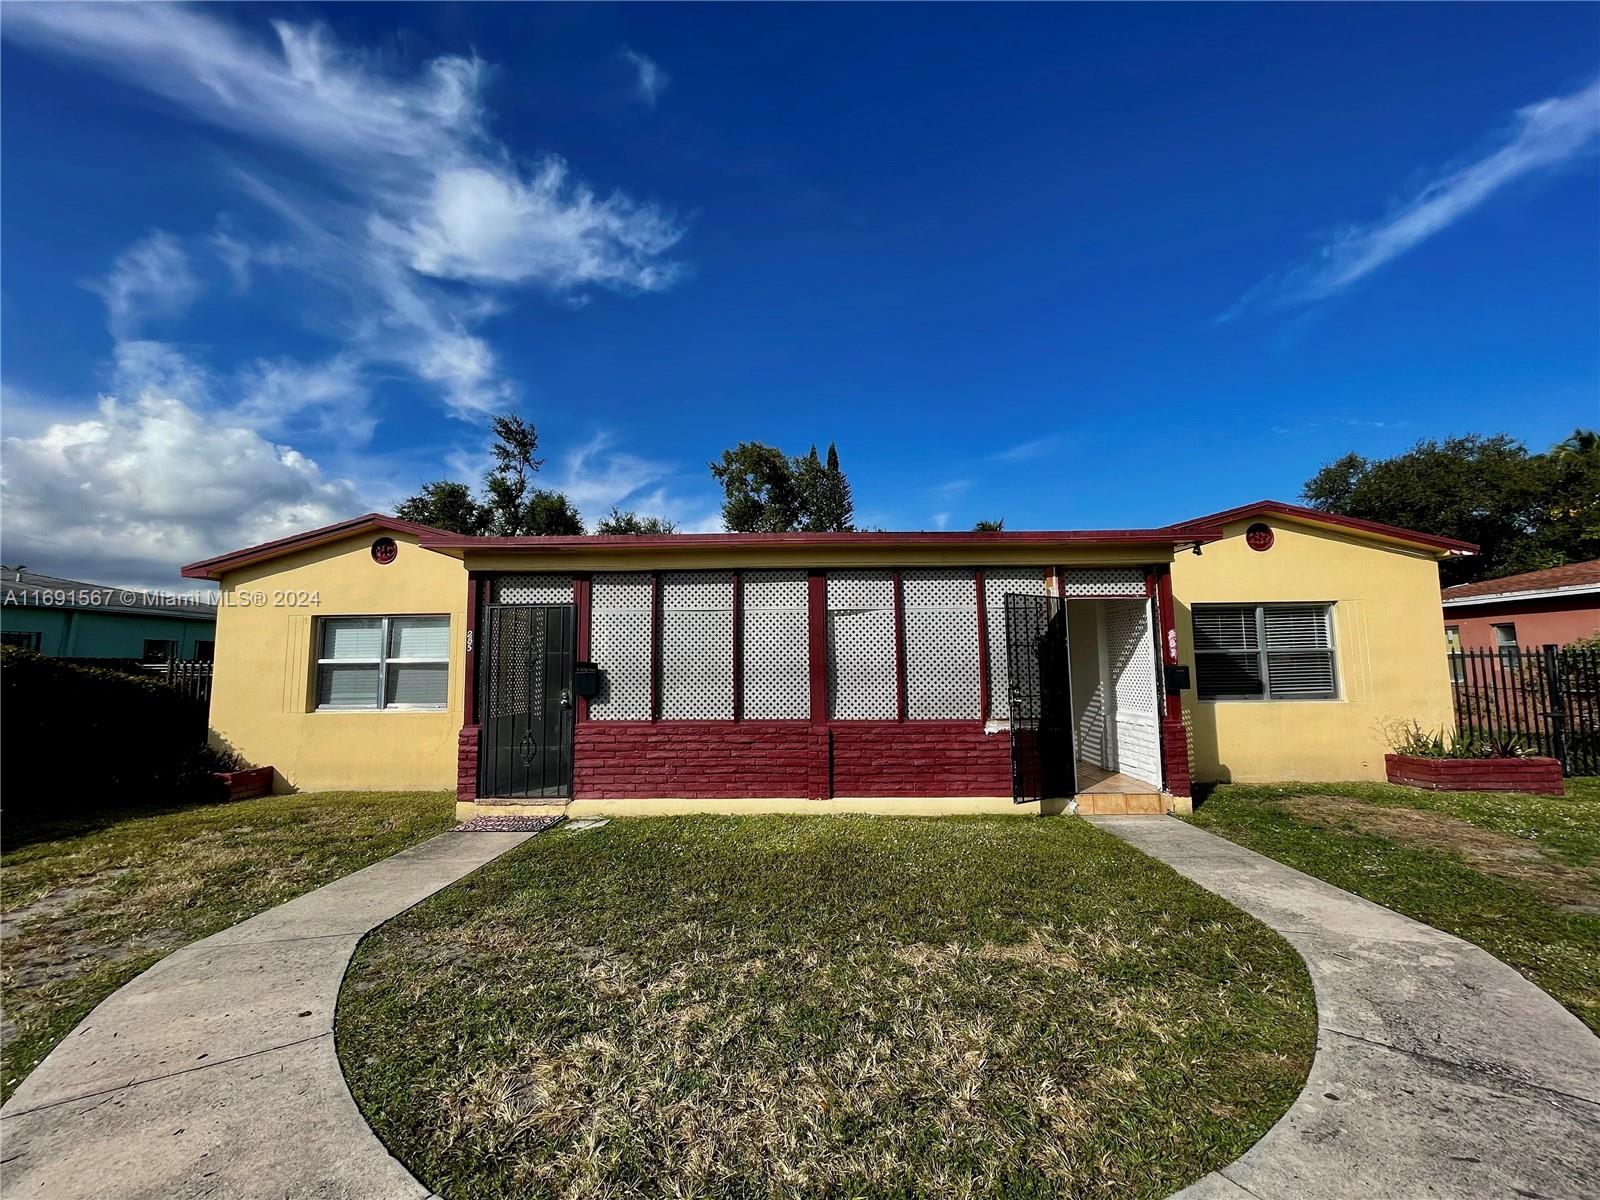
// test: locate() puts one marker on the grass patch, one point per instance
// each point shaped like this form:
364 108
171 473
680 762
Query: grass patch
1518 875
851 1006
89 902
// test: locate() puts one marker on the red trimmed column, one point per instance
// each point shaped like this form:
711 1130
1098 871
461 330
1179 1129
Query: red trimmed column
1174 736
821 744
583 608
467 741
984 708
817 645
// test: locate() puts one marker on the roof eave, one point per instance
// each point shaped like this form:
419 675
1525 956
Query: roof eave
1446 547
215 567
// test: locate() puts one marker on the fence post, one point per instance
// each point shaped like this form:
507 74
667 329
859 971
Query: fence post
1558 704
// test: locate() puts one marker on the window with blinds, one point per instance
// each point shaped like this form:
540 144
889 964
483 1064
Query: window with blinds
383 662
1264 652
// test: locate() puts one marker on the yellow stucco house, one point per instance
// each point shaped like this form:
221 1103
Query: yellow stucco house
910 672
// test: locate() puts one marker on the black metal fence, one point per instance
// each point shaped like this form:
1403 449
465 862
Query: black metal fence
1549 697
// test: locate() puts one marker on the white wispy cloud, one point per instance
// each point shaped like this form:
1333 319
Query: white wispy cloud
410 188
1542 136
151 279
1027 451
651 80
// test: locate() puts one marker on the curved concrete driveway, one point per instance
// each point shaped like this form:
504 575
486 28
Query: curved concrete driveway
214 1074
1440 1071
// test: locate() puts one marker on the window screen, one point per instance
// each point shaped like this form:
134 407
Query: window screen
697 646
777 663
620 640
1264 651
383 662
942 667
862 682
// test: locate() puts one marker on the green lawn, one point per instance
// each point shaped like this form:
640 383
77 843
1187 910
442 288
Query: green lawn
87 904
840 1006
1518 875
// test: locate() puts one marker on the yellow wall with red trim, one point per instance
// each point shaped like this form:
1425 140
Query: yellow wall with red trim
1389 648
262 700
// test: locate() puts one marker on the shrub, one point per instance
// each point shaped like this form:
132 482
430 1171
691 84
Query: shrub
74 737
1408 737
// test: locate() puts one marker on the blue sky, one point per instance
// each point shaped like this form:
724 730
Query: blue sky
269 266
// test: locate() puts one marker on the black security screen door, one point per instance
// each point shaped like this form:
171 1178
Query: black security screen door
526 701
1042 760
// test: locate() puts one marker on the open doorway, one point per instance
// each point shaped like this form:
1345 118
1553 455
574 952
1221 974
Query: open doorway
1115 698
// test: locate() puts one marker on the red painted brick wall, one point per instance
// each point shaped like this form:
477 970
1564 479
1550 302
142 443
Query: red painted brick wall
919 758
619 759
1541 776
1175 755
467 763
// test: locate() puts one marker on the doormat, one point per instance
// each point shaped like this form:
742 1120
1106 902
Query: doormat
508 824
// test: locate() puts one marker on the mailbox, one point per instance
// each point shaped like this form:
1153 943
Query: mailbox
1177 677
586 680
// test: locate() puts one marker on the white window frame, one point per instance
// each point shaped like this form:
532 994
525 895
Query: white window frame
1263 654
382 662
1509 653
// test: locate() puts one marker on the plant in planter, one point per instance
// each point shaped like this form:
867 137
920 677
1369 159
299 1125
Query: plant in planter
1469 760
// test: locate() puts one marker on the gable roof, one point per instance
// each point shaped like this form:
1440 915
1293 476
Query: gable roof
446 542
1376 530
1570 579
213 568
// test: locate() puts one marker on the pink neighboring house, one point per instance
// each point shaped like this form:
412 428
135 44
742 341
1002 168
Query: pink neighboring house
1537 608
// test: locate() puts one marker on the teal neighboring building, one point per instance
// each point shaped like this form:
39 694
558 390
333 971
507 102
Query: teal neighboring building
66 618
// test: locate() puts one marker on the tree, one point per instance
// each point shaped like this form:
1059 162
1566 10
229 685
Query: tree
826 492
630 522
989 526
1525 511
760 492
511 505
766 491
549 514
444 505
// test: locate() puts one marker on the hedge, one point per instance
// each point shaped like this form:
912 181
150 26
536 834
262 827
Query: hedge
74 737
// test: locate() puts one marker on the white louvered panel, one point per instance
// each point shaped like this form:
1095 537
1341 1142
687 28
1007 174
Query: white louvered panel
861 657
1024 581
942 678
1224 627
697 646
1085 631
532 589
619 642
1299 628
777 667
1131 659
1102 581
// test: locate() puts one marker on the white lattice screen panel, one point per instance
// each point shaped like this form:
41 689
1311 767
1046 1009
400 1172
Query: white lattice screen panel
697 646
1024 581
619 642
942 669
532 589
777 667
1102 581
861 646
1131 656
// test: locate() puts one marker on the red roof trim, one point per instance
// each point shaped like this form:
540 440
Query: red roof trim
1316 516
213 568
744 541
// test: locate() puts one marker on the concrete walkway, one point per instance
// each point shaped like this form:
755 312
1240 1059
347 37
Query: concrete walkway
1439 1072
213 1074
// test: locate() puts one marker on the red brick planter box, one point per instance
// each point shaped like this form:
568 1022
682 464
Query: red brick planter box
1540 776
243 785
